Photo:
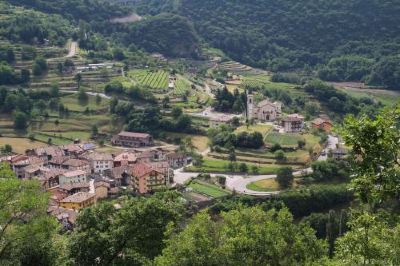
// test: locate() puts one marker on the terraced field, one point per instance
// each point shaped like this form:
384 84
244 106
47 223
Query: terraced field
153 79
182 85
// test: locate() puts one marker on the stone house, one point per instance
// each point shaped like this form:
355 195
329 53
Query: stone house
293 123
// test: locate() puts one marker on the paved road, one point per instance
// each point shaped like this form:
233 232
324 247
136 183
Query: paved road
235 182
72 49
239 183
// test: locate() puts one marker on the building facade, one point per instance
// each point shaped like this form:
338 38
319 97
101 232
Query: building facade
132 139
293 123
146 179
100 162
78 201
73 177
264 111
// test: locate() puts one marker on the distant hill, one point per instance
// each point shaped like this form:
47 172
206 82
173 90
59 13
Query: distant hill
169 34
88 10
286 35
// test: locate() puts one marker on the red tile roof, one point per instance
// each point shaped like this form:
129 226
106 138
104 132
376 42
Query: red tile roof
141 169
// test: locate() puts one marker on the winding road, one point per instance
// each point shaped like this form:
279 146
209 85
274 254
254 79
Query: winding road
238 183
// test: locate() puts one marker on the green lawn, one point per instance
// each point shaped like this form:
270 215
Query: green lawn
208 189
266 185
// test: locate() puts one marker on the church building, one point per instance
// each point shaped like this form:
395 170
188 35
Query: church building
264 111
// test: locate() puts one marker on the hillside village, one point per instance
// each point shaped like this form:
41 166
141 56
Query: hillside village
143 132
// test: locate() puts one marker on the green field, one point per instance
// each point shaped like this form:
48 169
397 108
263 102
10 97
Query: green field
153 79
263 129
211 165
72 103
266 185
287 140
264 80
208 189
386 97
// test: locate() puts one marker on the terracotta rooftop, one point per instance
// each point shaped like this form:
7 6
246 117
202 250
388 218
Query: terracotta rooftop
125 156
141 169
50 150
30 160
75 162
320 121
72 148
74 173
58 159
78 197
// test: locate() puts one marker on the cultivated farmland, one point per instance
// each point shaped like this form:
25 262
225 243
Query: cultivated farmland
154 79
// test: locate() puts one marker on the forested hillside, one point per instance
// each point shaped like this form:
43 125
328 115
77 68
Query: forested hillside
28 26
354 37
296 32
170 35
88 10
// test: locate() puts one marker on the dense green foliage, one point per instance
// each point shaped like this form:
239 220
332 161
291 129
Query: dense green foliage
375 156
338 102
287 33
170 35
350 37
28 26
88 10
27 232
225 101
285 177
330 170
226 138
247 236
136 230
